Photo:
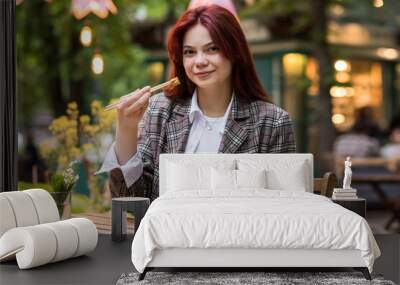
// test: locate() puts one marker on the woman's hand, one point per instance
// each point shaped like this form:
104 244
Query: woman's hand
129 113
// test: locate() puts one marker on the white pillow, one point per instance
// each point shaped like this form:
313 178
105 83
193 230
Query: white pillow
290 175
295 180
223 179
237 179
251 178
183 178
184 175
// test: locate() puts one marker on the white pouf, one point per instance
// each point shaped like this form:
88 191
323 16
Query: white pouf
23 208
45 205
87 234
41 244
67 240
31 232
7 218
38 245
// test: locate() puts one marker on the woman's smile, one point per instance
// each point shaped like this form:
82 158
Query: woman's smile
204 74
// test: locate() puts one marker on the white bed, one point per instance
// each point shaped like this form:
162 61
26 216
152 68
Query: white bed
247 226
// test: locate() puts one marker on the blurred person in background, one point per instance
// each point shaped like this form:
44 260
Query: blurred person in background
358 142
365 116
391 149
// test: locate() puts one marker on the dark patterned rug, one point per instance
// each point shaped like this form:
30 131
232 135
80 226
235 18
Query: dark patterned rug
269 278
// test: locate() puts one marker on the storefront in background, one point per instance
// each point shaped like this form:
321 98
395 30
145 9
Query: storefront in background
292 80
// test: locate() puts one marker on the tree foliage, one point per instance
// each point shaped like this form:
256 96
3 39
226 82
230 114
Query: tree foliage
53 68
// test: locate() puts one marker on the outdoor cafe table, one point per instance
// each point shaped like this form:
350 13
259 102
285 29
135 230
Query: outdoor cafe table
376 181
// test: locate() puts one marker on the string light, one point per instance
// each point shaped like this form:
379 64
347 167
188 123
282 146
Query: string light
81 8
342 65
388 53
378 3
338 119
227 4
340 91
86 36
293 63
97 63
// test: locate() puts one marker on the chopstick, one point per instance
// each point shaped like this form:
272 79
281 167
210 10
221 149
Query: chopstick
174 81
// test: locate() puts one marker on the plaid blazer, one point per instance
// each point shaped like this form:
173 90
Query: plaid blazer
256 127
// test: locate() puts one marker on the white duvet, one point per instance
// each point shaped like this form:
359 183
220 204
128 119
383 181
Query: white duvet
253 218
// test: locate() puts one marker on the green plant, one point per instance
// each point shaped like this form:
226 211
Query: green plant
65 181
62 185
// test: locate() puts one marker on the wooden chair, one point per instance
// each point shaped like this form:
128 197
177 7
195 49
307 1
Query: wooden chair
324 186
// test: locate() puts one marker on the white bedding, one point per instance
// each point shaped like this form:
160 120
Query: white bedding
251 218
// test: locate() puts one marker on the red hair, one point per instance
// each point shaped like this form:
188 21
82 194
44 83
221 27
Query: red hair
226 33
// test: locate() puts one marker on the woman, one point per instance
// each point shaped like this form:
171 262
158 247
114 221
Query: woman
220 106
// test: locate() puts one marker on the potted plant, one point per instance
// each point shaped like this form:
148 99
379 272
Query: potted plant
62 185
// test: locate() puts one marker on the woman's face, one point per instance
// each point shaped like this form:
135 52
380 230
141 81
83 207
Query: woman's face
203 61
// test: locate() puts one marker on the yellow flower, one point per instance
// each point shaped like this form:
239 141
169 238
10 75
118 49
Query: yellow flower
84 119
63 161
106 121
59 125
71 129
74 153
71 137
87 147
91 130
95 107
72 123
73 115
72 111
73 106
45 148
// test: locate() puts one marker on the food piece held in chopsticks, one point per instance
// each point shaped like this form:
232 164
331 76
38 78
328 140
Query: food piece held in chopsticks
154 90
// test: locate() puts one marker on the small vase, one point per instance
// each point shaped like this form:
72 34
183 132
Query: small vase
63 202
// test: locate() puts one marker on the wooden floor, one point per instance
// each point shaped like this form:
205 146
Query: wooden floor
103 221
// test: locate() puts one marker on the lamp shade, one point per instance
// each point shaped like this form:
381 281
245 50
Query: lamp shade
81 8
227 4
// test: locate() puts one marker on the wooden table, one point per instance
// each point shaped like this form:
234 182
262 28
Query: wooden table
366 162
376 180
103 221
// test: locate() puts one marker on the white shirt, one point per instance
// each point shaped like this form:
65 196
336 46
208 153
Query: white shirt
205 133
204 137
